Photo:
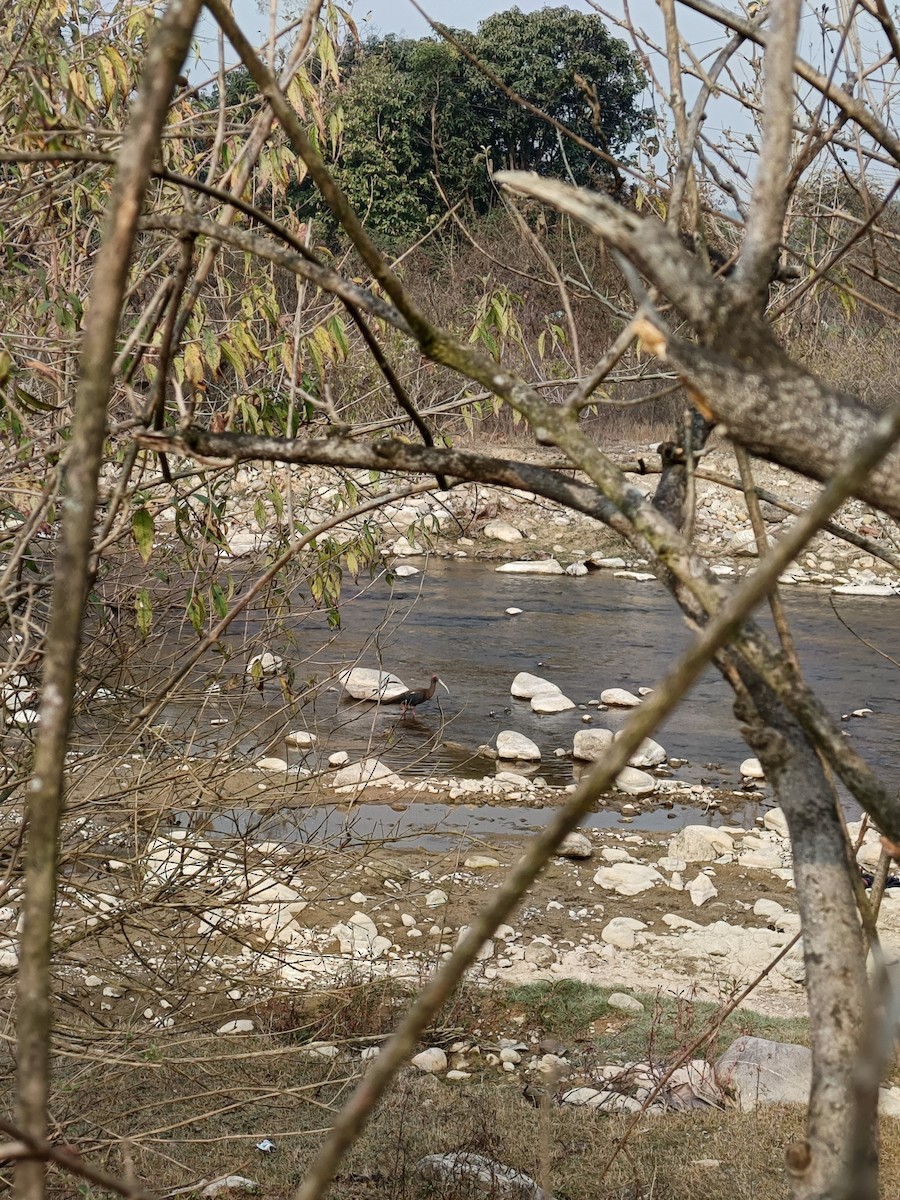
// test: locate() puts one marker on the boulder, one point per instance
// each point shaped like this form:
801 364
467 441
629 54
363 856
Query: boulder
776 821
301 739
635 783
406 571
539 954
589 745
622 932
575 845
700 843
432 1060
701 889
502 531
512 745
463 1174
624 1003
619 698
551 701
751 768
628 879
359 937
265 664
576 569
598 560
362 683
757 1071
544 566
370 770
525 685
648 753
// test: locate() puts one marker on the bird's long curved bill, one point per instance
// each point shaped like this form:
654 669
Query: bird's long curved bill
444 686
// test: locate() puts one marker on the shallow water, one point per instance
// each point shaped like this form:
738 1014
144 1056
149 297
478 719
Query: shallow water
584 634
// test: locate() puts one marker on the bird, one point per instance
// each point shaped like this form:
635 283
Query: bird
417 696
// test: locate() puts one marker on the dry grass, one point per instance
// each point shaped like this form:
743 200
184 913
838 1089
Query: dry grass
193 1107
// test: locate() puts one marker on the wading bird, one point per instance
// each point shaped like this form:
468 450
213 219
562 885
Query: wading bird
417 696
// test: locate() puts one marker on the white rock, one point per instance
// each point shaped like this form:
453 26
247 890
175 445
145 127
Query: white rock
551 702
757 1071
463 1174
240 1026
751 768
485 950
760 860
479 862
512 745
634 782
700 843
575 845
742 542
576 569
539 954
271 764
701 889
340 758
92 981
362 683
865 589
359 937
624 1003
370 770
544 566
628 879
231 1183
622 932
767 908
526 685
265 664
301 738
606 564
648 753
432 1060
406 571
508 1055
408 920
502 531
435 899
775 820
512 612
589 745
619 698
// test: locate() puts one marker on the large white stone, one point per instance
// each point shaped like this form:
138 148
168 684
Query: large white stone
701 889
776 821
369 770
359 936
635 783
589 745
619 698
551 701
462 1174
502 531
700 843
432 1060
363 683
544 566
575 845
622 932
865 589
512 745
302 739
576 569
264 664
756 1071
751 768
628 879
648 753
525 685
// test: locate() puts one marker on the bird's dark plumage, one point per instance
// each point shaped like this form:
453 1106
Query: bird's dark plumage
416 696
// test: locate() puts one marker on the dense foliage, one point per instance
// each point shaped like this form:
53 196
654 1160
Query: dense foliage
422 125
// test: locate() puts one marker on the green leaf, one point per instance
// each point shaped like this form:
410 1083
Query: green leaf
196 611
142 531
143 607
219 600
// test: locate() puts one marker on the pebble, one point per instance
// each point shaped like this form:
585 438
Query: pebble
619 698
701 889
240 1026
575 845
435 898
